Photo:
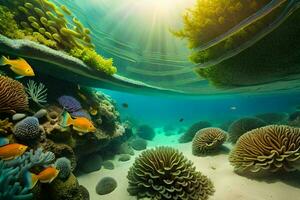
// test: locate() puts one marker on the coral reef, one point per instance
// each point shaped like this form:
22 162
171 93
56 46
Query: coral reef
106 185
243 125
6 127
273 118
190 133
173 177
63 164
37 92
28 130
146 132
45 23
208 140
139 144
270 148
12 95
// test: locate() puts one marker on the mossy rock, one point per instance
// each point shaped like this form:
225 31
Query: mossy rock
91 163
106 185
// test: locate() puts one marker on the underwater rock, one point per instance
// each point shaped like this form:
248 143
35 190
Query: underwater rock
208 140
243 125
108 165
18 116
146 132
171 180
91 163
274 118
106 185
84 192
294 116
124 157
67 190
63 164
271 148
190 133
225 125
28 130
13 97
139 144
41 113
125 148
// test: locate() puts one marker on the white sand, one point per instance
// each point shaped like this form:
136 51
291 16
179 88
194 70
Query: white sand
228 185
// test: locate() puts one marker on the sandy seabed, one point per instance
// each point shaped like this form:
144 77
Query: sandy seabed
228 185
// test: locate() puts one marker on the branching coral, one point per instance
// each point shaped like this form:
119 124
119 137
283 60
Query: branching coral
270 148
243 125
44 22
164 173
12 171
208 140
12 95
37 92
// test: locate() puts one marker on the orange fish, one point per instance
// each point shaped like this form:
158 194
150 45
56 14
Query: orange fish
45 176
11 151
19 66
80 124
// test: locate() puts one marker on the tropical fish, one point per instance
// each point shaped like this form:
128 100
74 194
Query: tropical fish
45 176
4 141
125 105
233 108
11 151
80 124
181 120
19 66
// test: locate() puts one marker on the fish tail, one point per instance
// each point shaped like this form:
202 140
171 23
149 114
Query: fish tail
66 119
3 60
30 179
4 141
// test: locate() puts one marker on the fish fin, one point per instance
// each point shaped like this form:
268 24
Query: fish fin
4 141
30 179
80 131
19 77
3 61
7 158
66 120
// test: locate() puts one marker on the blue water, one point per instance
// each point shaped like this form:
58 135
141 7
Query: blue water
159 111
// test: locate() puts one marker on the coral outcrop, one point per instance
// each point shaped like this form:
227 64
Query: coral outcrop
12 95
63 164
243 125
274 118
6 127
28 130
164 173
270 148
146 132
208 140
190 133
106 185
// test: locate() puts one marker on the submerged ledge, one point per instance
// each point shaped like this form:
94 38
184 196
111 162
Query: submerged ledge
61 65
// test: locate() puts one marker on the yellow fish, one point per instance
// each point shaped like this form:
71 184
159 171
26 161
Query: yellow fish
19 66
11 151
80 124
45 176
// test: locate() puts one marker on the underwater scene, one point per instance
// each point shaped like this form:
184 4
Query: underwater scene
149 99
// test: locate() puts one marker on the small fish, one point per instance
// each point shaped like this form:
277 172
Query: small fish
4 141
19 66
181 120
125 105
80 124
233 108
45 176
11 151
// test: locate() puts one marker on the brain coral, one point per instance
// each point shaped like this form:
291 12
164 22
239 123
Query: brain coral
190 133
28 129
243 125
164 173
208 140
273 148
12 95
69 103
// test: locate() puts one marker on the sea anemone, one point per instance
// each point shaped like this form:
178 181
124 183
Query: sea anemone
164 173
208 140
271 148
